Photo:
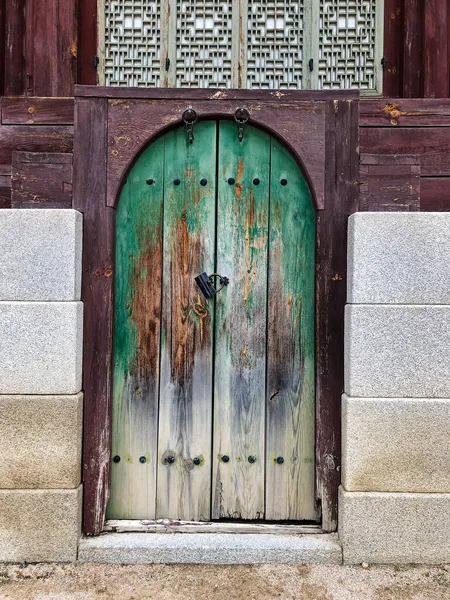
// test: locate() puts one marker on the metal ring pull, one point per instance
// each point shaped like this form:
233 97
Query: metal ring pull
190 117
241 116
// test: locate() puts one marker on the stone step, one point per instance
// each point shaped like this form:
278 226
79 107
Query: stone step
210 548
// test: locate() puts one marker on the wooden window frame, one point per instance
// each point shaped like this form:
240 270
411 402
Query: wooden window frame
103 156
239 66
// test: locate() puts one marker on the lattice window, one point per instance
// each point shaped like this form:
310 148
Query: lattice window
275 44
132 42
204 43
347 36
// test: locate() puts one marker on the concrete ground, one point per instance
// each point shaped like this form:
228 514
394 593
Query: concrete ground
198 582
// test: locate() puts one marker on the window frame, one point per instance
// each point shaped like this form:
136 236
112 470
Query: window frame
239 50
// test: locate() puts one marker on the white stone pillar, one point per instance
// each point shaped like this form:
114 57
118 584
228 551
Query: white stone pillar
41 328
394 504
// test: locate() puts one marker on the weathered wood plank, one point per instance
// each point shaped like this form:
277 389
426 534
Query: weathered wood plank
240 352
435 194
415 112
14 63
432 144
41 180
31 138
97 294
184 487
389 182
133 123
393 47
149 93
168 526
412 67
137 339
290 395
39 111
435 52
51 47
331 259
87 41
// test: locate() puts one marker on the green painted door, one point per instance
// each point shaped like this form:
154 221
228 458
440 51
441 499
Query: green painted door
213 414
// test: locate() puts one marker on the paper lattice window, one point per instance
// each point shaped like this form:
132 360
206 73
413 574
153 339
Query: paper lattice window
347 44
273 44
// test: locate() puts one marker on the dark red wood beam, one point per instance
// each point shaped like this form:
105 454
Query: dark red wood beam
413 49
393 48
87 42
14 54
435 55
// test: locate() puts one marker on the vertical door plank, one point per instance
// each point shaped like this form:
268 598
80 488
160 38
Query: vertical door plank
290 344
137 339
184 488
240 354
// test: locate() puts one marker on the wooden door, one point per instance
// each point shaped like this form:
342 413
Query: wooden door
213 413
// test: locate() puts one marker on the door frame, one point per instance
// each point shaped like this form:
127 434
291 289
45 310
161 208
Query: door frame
112 127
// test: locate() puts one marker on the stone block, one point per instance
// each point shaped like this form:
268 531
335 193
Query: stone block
41 441
210 549
399 258
394 351
40 254
40 525
381 527
41 347
396 444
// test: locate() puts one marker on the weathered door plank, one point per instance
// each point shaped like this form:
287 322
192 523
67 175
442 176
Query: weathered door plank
184 488
290 466
240 353
137 338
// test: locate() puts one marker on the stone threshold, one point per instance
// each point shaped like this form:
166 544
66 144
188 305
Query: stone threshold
210 548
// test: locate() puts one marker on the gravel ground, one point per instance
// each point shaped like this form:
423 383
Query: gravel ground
198 582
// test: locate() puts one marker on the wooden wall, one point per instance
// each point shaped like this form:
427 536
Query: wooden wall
417 48
405 154
48 45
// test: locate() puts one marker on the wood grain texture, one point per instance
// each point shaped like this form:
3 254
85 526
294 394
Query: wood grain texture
168 526
184 488
39 111
331 260
389 182
413 48
137 325
14 53
87 42
133 123
240 351
432 144
435 194
51 47
97 295
436 67
290 395
153 93
41 180
393 47
406 112
31 138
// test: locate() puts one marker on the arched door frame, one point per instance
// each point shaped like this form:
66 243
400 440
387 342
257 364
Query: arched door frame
112 127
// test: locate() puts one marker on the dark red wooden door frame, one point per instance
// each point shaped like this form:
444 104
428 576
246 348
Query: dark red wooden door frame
112 125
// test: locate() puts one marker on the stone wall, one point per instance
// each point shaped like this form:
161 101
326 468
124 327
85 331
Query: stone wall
395 496
41 325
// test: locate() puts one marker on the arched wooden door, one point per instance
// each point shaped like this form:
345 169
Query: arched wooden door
213 413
